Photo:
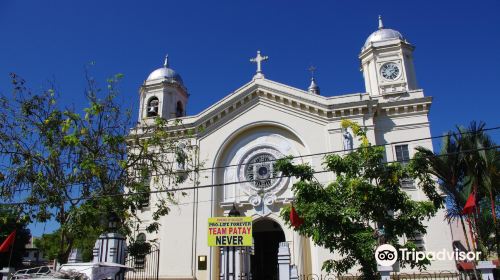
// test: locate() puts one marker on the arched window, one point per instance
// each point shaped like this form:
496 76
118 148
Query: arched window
140 260
153 107
141 237
179 110
145 197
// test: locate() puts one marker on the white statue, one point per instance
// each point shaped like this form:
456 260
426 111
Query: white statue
348 143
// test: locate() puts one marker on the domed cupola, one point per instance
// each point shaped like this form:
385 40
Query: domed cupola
313 88
382 34
387 63
165 73
163 95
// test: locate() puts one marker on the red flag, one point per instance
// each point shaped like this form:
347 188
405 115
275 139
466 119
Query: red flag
4 248
295 220
470 204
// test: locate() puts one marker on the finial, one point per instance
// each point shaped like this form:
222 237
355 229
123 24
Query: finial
313 88
380 23
258 60
165 64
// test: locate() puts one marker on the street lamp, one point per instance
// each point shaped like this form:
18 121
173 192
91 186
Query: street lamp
234 212
113 221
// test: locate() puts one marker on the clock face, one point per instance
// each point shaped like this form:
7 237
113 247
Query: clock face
390 71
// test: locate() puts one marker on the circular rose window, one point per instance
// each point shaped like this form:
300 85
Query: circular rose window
260 171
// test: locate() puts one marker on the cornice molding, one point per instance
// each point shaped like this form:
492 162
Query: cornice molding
318 109
400 127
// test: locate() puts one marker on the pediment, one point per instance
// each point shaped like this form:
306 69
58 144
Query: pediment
316 107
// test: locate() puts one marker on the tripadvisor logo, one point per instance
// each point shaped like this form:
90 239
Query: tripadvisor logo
387 255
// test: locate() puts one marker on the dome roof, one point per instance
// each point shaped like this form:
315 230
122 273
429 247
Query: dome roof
165 72
383 34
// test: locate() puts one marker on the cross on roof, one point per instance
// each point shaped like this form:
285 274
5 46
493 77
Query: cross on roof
259 59
312 69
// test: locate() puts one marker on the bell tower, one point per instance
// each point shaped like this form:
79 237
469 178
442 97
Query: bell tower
163 95
387 63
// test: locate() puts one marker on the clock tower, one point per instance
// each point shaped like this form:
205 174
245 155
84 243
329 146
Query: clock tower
387 63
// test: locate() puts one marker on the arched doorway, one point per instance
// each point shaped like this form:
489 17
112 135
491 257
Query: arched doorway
267 234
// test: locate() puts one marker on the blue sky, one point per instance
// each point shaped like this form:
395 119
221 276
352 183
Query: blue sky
210 43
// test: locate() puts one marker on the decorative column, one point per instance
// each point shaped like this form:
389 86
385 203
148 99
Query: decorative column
6 273
75 256
222 263
298 257
111 247
227 263
244 263
294 275
385 272
486 268
284 261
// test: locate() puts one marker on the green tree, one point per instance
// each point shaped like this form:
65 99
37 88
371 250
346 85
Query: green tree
482 165
74 166
362 208
448 167
10 221
49 243
486 229
469 161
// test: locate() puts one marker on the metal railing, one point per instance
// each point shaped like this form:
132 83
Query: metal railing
146 267
31 272
439 275
327 277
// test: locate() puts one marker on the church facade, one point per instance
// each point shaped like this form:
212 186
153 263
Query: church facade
239 137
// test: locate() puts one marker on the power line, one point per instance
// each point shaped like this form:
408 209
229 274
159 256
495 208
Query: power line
312 155
230 183
354 149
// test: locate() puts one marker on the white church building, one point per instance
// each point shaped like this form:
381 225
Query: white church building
265 120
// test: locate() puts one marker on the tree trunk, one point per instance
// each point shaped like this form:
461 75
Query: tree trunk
494 214
465 232
60 255
68 250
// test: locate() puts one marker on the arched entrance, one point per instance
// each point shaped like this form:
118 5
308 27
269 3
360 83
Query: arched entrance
267 234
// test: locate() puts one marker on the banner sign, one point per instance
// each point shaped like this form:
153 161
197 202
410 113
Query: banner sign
230 231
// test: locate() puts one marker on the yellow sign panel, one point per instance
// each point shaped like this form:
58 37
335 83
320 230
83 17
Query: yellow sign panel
230 231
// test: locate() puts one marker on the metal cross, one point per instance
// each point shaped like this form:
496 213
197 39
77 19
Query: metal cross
312 69
259 59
